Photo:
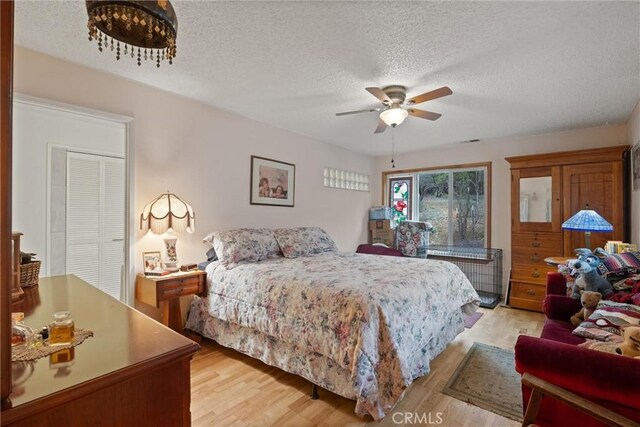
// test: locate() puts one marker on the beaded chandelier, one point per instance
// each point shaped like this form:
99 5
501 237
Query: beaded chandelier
150 27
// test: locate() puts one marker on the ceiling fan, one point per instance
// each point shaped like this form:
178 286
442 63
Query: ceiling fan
393 100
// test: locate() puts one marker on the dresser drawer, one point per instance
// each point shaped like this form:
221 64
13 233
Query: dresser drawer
528 291
175 288
549 243
531 272
528 296
531 256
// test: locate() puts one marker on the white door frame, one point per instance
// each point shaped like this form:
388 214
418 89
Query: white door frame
129 237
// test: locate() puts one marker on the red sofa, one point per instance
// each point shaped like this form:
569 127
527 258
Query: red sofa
606 379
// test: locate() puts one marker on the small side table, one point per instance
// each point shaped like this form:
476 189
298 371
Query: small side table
164 292
557 260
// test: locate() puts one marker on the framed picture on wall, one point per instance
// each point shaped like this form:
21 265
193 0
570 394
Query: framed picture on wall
635 166
272 182
152 262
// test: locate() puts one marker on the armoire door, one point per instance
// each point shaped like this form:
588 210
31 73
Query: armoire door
599 186
95 220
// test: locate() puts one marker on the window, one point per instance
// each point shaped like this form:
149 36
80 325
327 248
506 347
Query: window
456 200
399 197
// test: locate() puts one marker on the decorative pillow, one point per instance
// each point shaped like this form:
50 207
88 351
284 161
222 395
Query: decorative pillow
303 241
606 347
211 255
620 264
607 320
245 245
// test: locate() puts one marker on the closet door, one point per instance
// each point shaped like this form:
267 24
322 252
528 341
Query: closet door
112 265
600 186
95 220
83 216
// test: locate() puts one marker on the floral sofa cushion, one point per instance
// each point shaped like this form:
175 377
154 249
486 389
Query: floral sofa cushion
411 236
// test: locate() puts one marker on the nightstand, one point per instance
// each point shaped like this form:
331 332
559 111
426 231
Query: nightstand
164 292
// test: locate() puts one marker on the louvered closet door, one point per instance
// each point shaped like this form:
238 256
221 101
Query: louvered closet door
95 220
113 226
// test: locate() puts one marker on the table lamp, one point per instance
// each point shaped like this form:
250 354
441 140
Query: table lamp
587 220
168 215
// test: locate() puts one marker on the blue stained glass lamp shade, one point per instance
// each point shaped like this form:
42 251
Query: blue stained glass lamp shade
587 220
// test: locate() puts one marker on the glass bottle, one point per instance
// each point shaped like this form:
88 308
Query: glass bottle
21 334
61 329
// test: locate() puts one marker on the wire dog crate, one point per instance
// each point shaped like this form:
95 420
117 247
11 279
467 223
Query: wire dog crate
483 268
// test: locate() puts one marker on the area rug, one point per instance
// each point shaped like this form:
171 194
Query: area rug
487 378
471 320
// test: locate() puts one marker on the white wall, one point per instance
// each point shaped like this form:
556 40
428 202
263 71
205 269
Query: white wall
633 138
495 151
202 154
34 130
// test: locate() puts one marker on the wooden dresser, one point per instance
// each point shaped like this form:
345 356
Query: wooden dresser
548 189
133 371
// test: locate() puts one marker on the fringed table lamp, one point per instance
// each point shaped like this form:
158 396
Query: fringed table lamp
587 220
167 214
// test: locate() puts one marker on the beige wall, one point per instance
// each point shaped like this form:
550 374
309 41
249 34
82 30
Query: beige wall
203 155
633 138
495 151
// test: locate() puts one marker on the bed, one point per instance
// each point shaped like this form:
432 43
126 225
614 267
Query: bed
361 326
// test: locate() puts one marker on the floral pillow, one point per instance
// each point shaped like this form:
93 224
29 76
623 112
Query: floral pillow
244 245
607 321
303 241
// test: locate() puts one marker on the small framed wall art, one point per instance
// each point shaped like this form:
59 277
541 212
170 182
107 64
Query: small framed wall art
272 182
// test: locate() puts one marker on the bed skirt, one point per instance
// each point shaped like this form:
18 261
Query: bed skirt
312 366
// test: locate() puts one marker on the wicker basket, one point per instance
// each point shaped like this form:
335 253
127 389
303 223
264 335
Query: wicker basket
29 274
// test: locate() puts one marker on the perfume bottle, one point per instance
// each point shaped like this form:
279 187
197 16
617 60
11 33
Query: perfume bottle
21 334
61 329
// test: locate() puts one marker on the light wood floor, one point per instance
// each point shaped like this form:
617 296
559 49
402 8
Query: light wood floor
228 388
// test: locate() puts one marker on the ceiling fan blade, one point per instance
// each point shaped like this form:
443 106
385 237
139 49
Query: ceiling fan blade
423 114
382 126
428 96
369 110
379 93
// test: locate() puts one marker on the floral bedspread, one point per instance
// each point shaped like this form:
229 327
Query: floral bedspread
380 319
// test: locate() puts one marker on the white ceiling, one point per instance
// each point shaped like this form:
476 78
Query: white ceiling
515 68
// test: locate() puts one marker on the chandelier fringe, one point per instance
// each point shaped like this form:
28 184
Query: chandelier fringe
148 25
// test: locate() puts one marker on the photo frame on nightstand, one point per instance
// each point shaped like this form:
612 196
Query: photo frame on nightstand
152 263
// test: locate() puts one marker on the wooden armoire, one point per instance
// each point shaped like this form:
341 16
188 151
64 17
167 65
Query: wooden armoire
546 190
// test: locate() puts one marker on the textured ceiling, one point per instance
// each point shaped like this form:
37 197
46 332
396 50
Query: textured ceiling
515 68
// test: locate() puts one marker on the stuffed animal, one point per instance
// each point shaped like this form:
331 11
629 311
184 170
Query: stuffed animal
630 347
589 301
589 276
584 255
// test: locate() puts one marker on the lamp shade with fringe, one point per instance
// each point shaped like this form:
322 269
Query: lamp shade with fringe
167 212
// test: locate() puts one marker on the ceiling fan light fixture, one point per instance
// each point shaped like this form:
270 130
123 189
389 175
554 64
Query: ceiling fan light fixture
394 116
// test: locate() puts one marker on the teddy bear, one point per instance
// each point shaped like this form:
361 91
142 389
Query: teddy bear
631 345
589 301
590 278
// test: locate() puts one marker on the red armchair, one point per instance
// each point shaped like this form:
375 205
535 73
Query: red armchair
608 380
